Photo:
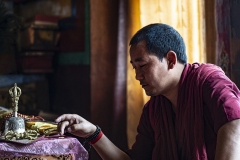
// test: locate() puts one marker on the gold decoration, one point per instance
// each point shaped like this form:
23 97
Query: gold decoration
29 134
15 93
42 127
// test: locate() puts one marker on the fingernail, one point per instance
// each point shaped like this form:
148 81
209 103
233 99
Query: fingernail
69 130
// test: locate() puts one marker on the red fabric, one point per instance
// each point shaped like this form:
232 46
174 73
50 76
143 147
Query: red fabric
189 112
207 99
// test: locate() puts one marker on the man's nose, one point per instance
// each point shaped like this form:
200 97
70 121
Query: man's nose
139 75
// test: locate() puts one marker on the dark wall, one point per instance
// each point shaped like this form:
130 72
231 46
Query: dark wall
235 40
70 90
67 85
70 83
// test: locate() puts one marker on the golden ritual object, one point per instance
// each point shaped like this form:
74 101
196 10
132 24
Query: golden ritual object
16 129
15 124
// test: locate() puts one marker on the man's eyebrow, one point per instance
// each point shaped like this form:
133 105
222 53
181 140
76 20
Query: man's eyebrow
136 60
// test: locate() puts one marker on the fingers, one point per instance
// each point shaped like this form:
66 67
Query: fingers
62 126
66 117
75 124
64 121
68 121
84 129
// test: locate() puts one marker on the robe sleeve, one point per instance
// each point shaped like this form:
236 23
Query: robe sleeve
143 146
221 97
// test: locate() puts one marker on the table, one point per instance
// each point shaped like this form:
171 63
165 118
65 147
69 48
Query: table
61 148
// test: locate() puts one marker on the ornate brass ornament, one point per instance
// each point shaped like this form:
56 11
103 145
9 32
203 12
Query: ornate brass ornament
15 124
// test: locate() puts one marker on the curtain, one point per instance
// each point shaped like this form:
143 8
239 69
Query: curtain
108 41
135 100
211 31
188 18
223 45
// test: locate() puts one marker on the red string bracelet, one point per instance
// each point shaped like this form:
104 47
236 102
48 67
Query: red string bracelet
97 138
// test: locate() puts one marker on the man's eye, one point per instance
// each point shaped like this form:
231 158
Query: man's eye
142 66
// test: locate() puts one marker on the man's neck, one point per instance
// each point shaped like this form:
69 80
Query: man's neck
172 95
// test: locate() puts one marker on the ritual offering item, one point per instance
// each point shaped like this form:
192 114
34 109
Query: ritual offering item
24 129
14 129
14 124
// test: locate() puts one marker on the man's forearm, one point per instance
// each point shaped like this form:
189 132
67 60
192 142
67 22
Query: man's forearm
228 141
108 151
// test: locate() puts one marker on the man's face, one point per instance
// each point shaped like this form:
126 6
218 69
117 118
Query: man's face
150 71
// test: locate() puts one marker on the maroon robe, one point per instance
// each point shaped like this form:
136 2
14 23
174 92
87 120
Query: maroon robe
207 99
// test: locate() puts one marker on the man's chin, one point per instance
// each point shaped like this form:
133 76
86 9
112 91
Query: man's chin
148 93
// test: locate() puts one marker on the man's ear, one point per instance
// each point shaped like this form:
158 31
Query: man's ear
171 59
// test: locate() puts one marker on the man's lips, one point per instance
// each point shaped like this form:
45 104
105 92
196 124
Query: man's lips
143 85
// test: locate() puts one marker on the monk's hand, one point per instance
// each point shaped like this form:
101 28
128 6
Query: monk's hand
75 124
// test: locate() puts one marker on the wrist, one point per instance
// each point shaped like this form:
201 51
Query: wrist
94 137
91 132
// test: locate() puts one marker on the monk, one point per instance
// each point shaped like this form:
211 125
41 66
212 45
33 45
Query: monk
193 112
